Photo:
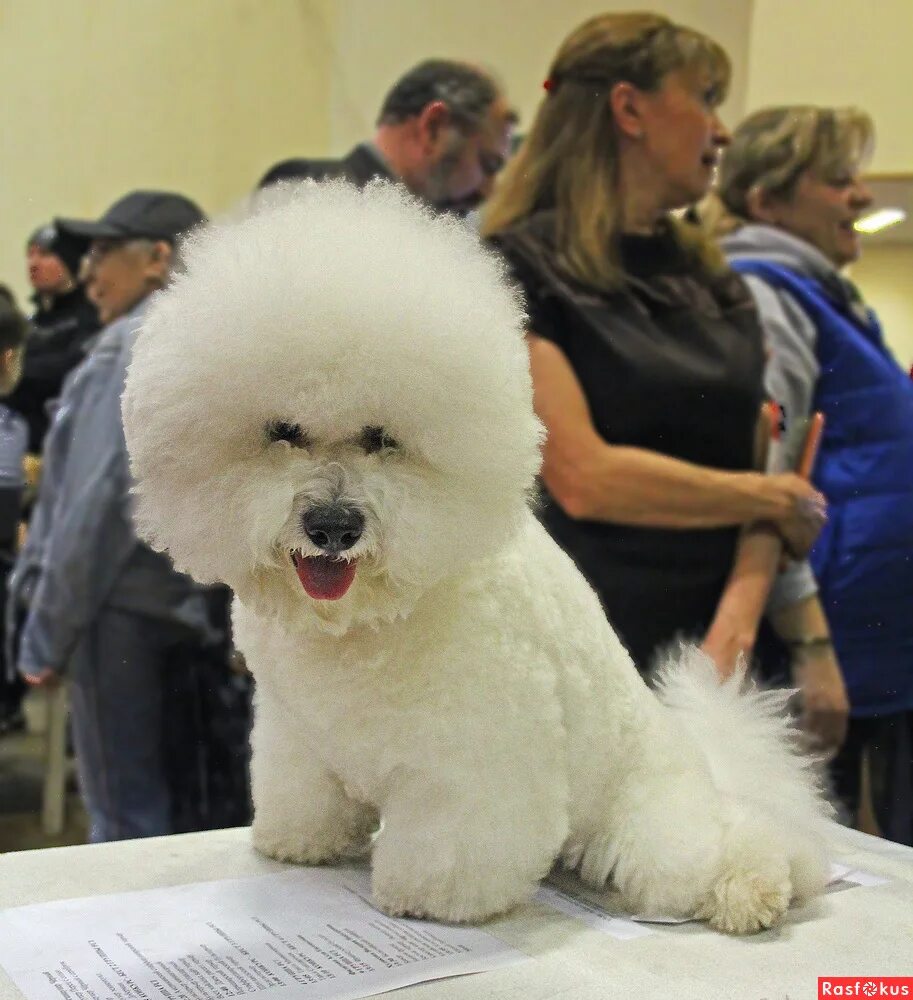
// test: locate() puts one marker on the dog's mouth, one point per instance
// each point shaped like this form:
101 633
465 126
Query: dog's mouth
324 578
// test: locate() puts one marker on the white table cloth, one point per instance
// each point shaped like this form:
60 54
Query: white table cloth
865 931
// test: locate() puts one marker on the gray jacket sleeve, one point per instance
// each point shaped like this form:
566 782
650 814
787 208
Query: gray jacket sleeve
790 338
84 555
88 535
790 378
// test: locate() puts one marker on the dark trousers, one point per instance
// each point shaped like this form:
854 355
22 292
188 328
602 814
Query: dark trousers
888 742
12 688
116 710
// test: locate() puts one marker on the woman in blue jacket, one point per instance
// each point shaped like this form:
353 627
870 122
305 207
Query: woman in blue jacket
789 195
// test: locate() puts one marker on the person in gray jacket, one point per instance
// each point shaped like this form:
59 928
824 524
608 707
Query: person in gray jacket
103 608
14 330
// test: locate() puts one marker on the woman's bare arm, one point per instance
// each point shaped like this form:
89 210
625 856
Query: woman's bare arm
592 479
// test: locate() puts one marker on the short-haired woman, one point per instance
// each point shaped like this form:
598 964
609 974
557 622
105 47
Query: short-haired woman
646 353
790 192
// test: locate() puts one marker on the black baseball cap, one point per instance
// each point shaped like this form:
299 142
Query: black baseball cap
152 215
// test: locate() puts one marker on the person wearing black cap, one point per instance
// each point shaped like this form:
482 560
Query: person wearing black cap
63 324
101 606
130 247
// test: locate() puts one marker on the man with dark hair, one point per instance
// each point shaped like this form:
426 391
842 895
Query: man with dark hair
444 130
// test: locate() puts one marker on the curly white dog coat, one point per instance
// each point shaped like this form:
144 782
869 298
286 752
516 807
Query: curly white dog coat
331 411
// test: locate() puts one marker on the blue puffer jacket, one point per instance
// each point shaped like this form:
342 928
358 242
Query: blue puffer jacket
864 557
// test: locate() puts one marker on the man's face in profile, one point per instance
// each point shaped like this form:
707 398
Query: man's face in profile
465 169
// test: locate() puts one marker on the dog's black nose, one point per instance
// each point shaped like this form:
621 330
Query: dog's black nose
333 527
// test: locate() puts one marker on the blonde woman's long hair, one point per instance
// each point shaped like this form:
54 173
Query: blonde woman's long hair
569 160
772 148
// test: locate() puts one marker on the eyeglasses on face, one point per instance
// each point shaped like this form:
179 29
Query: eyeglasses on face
101 248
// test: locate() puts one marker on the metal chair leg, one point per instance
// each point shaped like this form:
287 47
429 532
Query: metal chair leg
53 808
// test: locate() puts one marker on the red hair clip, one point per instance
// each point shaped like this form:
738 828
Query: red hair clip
549 84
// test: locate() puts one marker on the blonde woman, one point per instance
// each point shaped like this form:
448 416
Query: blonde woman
790 192
646 353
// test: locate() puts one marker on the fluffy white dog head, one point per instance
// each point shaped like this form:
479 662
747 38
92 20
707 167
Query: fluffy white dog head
331 409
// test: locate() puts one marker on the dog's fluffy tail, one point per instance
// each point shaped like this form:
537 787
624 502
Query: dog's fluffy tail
754 751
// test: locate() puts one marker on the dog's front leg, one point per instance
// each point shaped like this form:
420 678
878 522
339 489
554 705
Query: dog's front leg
463 853
301 810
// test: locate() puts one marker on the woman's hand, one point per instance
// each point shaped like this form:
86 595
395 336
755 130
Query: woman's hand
726 643
803 512
825 706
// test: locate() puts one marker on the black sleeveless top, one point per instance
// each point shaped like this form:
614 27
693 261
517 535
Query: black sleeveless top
672 362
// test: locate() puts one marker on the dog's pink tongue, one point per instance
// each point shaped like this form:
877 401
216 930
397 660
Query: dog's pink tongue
323 578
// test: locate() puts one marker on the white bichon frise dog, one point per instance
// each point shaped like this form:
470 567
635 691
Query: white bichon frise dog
331 412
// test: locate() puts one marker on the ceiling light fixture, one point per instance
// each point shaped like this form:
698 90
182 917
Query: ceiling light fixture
876 221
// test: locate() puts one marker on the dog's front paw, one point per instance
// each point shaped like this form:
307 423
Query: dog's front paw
745 901
398 907
470 904
332 844
280 845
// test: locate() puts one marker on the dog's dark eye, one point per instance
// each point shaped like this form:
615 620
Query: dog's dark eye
374 439
280 430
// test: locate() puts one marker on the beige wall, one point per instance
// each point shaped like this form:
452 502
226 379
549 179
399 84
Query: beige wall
884 274
822 52
198 96
202 95
377 39
825 52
